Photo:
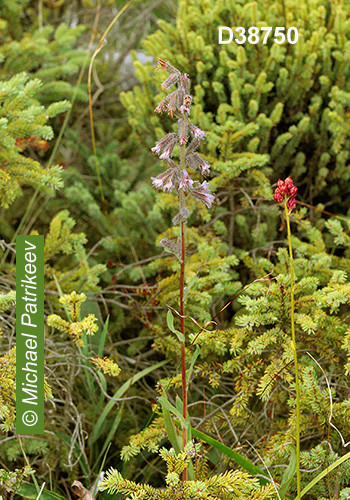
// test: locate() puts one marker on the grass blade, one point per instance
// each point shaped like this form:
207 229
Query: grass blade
98 427
324 473
243 462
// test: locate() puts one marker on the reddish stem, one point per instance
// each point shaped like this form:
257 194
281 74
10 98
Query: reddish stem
183 357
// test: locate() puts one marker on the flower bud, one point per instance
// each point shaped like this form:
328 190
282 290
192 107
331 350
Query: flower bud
195 161
166 66
182 131
169 246
173 78
186 82
171 107
183 214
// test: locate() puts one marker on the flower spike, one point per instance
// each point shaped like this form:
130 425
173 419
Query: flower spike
178 104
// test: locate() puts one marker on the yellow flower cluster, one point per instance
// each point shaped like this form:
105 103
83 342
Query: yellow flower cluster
75 328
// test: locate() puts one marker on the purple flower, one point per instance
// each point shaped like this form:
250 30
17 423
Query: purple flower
202 193
197 132
178 103
205 168
186 182
169 186
167 152
185 109
166 144
195 161
165 180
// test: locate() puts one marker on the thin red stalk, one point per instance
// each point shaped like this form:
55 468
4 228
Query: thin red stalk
182 312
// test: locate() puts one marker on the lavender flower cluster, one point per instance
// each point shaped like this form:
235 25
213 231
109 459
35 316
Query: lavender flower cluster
178 104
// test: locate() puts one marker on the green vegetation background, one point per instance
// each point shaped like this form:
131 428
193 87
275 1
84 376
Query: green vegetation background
269 111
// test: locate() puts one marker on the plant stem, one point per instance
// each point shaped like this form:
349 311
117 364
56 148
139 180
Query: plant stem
182 308
294 346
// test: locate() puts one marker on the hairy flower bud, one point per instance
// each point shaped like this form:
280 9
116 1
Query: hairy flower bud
169 246
195 161
171 107
186 82
182 131
166 66
183 214
173 78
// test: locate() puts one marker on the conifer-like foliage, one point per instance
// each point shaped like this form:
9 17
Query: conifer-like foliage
227 486
23 125
269 111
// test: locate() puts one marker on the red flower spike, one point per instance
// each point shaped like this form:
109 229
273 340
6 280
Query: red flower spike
286 191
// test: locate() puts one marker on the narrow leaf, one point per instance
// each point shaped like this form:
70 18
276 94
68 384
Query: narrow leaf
172 409
170 322
77 451
99 426
103 338
169 426
323 474
243 462
193 360
29 491
289 472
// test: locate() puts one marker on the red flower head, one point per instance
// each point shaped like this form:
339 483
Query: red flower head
286 190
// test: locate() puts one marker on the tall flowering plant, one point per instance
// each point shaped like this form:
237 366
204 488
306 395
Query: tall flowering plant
177 178
285 194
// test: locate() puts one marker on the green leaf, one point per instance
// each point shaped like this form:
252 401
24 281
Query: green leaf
169 426
29 491
193 360
179 405
289 472
243 462
323 474
103 337
170 322
163 401
99 426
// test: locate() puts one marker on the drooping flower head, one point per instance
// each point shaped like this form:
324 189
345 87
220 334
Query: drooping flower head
286 191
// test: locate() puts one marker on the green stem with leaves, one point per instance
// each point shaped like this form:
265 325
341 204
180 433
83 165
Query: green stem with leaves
294 347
